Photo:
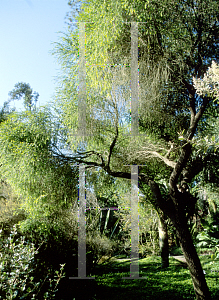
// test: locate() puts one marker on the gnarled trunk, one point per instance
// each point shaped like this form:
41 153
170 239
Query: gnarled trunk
192 259
174 208
163 242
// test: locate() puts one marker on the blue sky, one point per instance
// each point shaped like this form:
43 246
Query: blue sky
27 29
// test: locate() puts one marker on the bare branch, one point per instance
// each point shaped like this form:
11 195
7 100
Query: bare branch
150 151
191 91
112 146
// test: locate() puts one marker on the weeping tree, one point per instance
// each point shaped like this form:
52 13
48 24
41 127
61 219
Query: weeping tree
44 184
177 41
108 103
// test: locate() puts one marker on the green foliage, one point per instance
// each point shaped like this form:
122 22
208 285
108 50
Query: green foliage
207 242
17 271
5 111
169 51
54 226
208 239
98 246
108 190
148 230
23 138
45 184
9 203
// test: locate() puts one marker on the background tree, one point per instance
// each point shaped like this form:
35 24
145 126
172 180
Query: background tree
23 90
42 183
5 111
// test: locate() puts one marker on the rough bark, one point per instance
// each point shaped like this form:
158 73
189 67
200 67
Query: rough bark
175 210
163 242
192 259
159 204
178 213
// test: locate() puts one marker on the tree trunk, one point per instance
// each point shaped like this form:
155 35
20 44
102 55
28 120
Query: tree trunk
174 208
162 226
163 242
192 259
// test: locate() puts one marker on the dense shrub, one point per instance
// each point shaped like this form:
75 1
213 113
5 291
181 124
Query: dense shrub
208 239
17 266
59 234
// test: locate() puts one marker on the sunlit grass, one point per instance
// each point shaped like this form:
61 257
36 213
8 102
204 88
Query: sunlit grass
171 283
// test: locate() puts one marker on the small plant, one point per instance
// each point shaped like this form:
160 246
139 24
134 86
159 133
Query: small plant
208 243
98 246
17 270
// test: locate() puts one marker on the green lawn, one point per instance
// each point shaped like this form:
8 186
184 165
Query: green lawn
172 283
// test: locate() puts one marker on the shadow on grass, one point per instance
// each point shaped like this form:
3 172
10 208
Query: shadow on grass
173 283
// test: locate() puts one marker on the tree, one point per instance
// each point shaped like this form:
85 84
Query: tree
24 90
45 183
5 111
180 39
47 186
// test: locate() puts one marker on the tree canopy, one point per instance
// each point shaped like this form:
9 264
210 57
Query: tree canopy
177 40
166 94
177 145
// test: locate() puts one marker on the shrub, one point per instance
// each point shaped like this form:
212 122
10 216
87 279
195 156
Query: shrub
208 243
208 239
17 271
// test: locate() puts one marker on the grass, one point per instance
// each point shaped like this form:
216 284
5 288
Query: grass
173 283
